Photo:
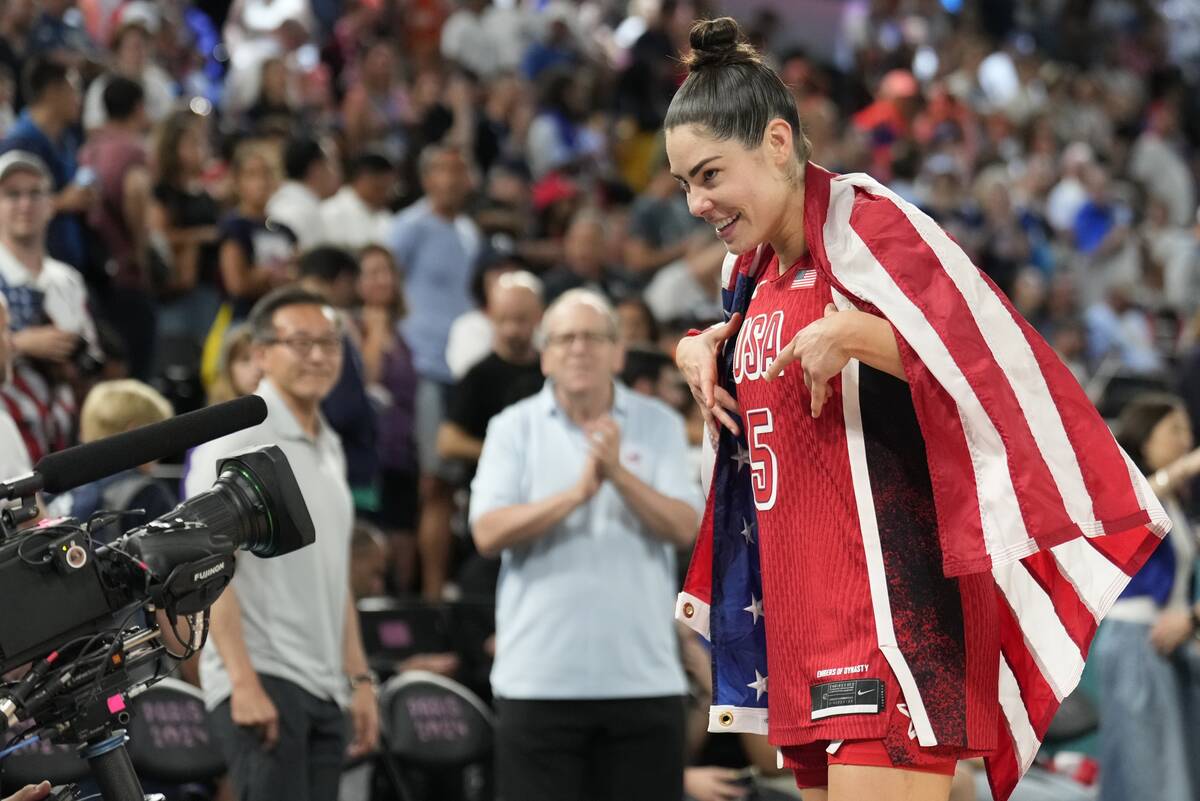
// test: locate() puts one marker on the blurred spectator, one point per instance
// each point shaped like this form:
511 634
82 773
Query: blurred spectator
332 273
391 384
485 37
436 247
889 119
359 214
368 561
240 373
46 129
273 111
54 335
584 256
133 59
1005 247
256 31
376 111
116 153
1119 329
636 324
182 222
8 99
255 254
1102 236
58 30
1171 255
284 661
114 407
661 229
690 288
313 175
14 456
511 372
555 47
470 338
16 18
1147 658
1158 161
560 137
1070 194
584 462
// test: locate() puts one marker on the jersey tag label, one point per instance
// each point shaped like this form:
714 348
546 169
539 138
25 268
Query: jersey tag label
853 697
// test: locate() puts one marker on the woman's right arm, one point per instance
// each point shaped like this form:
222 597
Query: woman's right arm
241 278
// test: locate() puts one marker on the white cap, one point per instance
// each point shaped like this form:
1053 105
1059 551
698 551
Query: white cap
17 160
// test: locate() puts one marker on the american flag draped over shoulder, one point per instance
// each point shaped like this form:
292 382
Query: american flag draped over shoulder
1029 484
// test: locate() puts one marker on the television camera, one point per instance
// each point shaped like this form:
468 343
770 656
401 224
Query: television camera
86 617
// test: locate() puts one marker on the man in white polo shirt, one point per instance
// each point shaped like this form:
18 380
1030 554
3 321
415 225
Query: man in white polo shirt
584 491
284 657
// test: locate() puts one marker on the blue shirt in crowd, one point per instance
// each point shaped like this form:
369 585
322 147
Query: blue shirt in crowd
437 258
585 611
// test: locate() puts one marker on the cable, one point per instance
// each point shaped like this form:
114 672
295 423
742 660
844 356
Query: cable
23 744
36 534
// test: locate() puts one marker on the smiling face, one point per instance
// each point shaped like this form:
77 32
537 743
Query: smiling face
304 357
742 192
582 353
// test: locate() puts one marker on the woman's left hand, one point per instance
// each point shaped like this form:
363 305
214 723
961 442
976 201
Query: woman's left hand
1171 630
820 350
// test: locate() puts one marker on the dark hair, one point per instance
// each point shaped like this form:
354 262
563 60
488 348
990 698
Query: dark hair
262 316
647 313
122 98
643 363
730 91
369 164
1137 421
327 263
398 308
300 155
40 75
166 145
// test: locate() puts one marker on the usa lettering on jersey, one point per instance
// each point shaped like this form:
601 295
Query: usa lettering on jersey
758 343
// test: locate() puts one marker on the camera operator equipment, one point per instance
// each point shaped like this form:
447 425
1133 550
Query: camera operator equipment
83 614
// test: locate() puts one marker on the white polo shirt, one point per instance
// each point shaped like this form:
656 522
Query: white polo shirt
293 606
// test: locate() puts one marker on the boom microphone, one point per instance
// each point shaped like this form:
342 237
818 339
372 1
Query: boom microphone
83 464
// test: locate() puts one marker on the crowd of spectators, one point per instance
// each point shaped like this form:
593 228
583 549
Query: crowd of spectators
439 172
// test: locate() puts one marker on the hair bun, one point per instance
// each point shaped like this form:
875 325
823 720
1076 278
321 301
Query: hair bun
719 43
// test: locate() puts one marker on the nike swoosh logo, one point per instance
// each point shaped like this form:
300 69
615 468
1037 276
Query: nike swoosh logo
864 692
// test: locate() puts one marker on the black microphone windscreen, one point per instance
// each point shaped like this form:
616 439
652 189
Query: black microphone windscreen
82 464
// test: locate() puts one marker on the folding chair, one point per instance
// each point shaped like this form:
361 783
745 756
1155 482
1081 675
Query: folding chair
169 738
429 723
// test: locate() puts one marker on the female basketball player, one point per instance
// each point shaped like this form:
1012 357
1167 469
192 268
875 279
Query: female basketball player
937 516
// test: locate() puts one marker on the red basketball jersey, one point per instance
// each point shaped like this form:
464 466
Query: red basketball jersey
840 625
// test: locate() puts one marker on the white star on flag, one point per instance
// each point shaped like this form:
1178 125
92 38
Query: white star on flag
755 608
759 685
742 457
748 531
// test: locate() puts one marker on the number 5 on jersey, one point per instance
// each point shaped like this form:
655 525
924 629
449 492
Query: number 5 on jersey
764 468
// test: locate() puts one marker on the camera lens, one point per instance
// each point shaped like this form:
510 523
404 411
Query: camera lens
255 505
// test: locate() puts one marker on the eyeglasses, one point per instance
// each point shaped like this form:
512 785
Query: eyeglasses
17 195
302 346
589 338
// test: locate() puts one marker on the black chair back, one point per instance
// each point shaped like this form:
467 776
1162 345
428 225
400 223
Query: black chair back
169 737
429 720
